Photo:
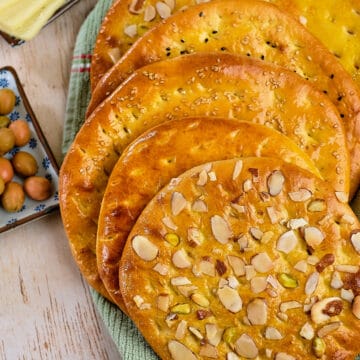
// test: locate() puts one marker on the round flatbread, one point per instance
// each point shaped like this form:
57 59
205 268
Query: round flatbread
252 28
164 152
236 281
127 20
221 85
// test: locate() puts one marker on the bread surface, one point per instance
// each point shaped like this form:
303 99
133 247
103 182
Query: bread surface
221 85
259 30
236 279
164 152
321 18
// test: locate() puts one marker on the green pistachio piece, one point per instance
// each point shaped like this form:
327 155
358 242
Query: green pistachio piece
319 347
288 281
181 309
172 239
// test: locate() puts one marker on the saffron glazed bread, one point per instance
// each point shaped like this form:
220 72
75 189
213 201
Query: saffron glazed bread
127 20
269 270
253 28
221 85
164 152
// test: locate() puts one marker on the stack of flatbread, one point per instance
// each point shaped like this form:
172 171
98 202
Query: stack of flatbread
207 192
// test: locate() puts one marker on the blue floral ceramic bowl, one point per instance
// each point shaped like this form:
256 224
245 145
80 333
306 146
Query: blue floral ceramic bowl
38 147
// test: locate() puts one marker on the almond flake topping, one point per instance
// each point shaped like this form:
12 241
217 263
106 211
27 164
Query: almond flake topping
241 209
213 334
301 195
180 280
212 176
272 333
275 182
179 351
336 282
247 185
297 223
196 332
207 267
342 196
167 221
287 242
347 295
149 13
114 54
284 356
181 330
163 302
220 229
328 328
209 351
237 169
246 347
178 203
257 312
163 10
237 265
195 236
199 206
256 233
355 240
273 215
230 298
203 177
313 236
232 356
130 30
181 260
289 305
262 262
301 266
258 284
161 269
312 283
317 205
144 248
352 269
307 331
170 3
249 272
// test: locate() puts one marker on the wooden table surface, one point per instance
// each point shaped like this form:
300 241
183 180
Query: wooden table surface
46 311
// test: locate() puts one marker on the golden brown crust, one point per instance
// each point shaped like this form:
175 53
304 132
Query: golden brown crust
321 18
221 85
152 270
261 31
164 152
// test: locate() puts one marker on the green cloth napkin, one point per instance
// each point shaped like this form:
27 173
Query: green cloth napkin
126 336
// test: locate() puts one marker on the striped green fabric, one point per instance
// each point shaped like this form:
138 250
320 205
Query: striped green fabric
127 338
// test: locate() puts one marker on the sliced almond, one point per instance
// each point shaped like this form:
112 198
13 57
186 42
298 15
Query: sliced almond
180 280
114 54
347 295
262 262
212 176
144 248
319 312
312 260
243 242
249 272
272 333
282 316
247 185
181 260
342 196
313 236
232 356
187 290
287 242
196 332
301 195
237 265
167 221
230 298
258 284
268 353
312 283
352 269
301 266
181 330
233 282
246 347
179 351
355 240
195 236
309 303
200 299
199 206
138 300
149 13
328 328
178 203
213 334
131 30
161 269
336 282
237 169
170 3
356 306
348 219
256 233
208 351
317 205
273 215
203 178
163 10
163 302
307 331
241 209
273 281
220 229
289 305
207 268
257 312
275 182
297 223
268 235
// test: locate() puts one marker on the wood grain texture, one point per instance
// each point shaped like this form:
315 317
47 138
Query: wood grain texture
46 311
